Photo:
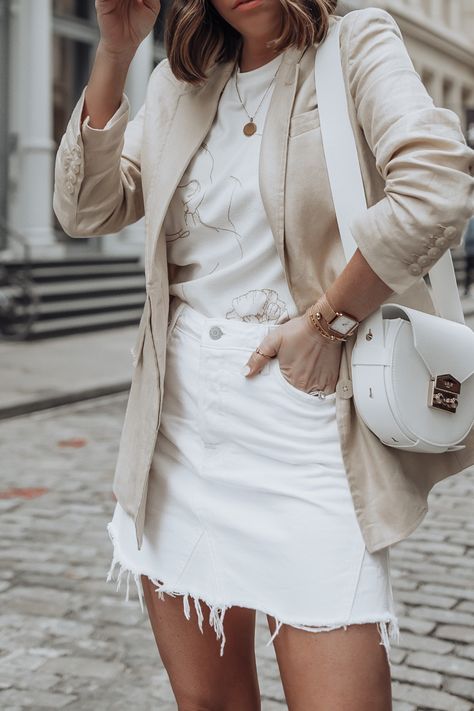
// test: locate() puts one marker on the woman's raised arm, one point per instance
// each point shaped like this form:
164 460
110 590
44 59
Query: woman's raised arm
97 187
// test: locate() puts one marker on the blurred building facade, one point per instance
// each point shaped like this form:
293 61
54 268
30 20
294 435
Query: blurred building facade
46 51
47 48
439 35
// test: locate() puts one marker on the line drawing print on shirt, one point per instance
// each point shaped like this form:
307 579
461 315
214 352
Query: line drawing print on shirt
259 305
192 196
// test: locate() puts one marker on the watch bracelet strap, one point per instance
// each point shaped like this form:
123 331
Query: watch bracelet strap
329 313
313 316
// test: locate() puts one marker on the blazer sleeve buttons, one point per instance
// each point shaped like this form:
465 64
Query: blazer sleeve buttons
434 245
72 166
423 260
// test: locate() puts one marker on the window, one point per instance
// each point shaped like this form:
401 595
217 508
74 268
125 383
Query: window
84 9
74 42
72 61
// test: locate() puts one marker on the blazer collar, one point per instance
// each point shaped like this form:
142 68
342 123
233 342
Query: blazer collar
189 123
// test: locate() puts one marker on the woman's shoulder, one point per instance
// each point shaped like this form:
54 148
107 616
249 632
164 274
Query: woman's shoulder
372 42
367 27
367 19
163 87
162 74
162 78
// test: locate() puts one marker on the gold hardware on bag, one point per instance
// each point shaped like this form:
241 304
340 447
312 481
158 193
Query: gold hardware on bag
444 393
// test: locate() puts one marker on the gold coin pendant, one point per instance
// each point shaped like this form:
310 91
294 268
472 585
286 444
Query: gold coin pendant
250 128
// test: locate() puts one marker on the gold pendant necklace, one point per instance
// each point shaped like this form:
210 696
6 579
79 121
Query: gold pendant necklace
250 128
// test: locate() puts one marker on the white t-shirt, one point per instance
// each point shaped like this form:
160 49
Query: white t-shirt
217 232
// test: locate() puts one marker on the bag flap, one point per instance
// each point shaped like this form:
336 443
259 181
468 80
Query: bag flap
445 346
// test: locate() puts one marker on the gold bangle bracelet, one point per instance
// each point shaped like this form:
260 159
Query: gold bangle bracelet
329 336
314 319
336 336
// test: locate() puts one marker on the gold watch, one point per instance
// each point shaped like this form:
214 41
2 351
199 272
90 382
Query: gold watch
343 324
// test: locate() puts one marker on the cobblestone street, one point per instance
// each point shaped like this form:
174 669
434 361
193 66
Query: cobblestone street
69 640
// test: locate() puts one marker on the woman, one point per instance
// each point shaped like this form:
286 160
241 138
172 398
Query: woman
245 480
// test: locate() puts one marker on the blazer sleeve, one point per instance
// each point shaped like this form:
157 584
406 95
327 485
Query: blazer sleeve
420 152
97 180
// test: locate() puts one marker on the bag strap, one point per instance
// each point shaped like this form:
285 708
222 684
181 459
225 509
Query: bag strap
344 172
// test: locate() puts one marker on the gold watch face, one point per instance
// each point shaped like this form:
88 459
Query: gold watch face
343 324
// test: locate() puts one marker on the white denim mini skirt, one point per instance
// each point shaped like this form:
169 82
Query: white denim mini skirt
248 502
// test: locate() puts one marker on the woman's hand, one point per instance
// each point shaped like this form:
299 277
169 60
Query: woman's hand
124 24
307 359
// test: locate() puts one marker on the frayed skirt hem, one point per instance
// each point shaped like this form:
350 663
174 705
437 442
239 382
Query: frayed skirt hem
388 627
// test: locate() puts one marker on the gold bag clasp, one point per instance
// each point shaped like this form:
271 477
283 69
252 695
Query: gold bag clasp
444 392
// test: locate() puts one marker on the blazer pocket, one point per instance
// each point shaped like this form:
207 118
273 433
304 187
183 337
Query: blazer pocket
300 123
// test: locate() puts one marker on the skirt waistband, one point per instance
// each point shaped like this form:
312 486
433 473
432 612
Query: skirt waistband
216 331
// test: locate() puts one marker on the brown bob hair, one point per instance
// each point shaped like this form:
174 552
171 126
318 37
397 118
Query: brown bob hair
196 36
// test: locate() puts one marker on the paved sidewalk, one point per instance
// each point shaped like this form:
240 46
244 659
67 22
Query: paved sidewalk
36 375
69 640
40 374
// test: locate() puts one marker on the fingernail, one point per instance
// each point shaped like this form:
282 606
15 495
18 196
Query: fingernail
245 370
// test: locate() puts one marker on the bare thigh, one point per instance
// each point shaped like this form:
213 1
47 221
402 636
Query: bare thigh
339 670
200 678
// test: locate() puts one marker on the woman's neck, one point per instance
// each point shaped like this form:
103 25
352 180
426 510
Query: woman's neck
255 54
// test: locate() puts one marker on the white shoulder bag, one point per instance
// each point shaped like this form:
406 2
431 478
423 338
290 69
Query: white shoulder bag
412 372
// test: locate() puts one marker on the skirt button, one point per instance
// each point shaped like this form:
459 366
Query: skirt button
215 332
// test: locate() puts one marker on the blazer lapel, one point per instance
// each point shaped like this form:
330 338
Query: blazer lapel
274 146
193 116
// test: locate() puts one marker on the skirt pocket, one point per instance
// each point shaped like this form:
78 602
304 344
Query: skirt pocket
268 416
301 395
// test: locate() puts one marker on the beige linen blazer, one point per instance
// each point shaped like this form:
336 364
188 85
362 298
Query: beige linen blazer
418 176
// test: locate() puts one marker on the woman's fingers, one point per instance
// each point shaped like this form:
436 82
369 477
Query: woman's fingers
269 346
308 361
124 24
